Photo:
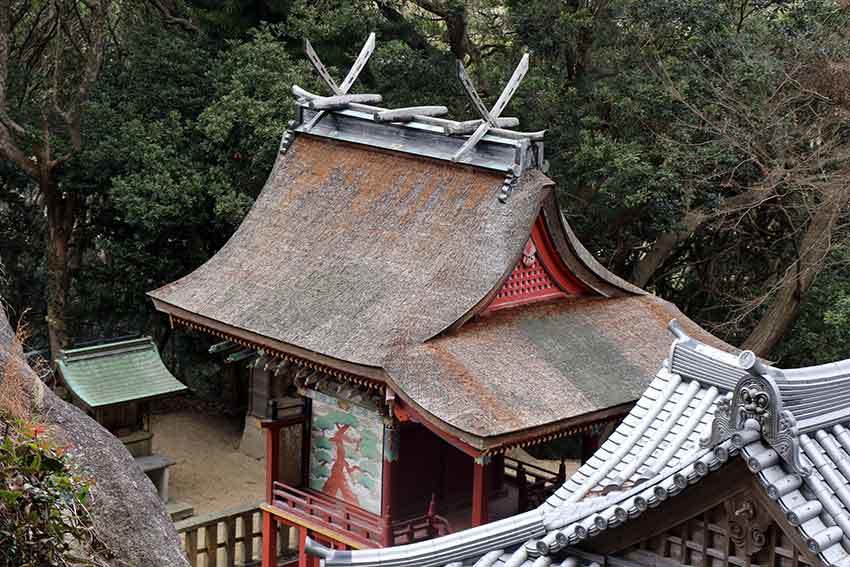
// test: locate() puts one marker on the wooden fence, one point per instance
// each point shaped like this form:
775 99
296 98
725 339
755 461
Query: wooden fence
232 538
535 483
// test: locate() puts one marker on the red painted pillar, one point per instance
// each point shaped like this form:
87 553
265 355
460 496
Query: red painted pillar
269 540
391 443
479 491
272 459
303 558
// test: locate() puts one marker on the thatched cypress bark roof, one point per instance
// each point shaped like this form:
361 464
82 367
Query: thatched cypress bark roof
350 251
374 260
541 368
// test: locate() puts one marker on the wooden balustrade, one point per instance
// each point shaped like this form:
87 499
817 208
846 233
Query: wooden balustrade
536 472
355 523
231 538
535 483
359 525
234 537
419 529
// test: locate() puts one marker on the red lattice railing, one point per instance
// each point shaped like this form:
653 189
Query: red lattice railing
356 524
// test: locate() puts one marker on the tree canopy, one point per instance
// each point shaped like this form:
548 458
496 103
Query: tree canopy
699 146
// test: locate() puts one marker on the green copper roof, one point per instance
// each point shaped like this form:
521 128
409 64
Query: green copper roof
117 372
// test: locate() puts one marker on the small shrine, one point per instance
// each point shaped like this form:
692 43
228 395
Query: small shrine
414 305
725 460
115 382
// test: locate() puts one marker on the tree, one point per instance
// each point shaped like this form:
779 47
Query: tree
822 330
776 110
700 146
51 54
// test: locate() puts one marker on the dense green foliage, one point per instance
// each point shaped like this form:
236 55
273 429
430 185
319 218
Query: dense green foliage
718 126
43 515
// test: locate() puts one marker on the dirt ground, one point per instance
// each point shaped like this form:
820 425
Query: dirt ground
211 474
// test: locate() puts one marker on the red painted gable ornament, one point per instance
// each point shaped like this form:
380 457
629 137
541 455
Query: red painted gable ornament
539 275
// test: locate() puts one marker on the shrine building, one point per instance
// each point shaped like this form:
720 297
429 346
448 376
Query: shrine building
414 305
723 461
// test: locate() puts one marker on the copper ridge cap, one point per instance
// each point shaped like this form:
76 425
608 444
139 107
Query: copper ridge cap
420 130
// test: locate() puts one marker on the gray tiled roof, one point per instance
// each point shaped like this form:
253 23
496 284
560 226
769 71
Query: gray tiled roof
676 435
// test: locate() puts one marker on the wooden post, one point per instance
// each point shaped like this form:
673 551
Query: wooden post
522 488
589 445
247 537
391 442
211 543
269 540
273 428
479 491
230 541
303 559
305 444
272 460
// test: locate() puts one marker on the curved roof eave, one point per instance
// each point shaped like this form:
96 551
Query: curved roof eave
578 259
350 251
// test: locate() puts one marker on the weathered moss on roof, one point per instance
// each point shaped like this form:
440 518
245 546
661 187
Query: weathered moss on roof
117 372
349 251
538 366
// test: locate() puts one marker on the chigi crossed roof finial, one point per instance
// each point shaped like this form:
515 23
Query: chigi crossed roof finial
490 118
420 130
340 96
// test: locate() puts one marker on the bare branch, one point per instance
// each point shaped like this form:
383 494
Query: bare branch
169 15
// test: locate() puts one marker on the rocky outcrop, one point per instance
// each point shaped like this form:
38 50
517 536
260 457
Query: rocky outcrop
128 516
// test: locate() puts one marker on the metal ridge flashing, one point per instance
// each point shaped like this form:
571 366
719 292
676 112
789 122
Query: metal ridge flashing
419 130
106 349
357 125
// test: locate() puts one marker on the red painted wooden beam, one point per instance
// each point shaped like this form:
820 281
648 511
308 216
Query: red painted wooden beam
409 413
303 558
539 275
551 260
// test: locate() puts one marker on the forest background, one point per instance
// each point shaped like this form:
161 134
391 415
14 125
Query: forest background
700 147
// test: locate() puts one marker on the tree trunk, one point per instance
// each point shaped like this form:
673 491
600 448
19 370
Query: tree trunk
666 243
663 248
813 251
61 220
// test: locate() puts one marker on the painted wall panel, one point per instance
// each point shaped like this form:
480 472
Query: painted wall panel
346 452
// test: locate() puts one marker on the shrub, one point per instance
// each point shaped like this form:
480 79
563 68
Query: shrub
43 515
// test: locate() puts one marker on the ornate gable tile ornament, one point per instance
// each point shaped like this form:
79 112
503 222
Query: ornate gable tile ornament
756 410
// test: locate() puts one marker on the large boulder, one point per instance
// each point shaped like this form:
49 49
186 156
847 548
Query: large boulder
128 516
